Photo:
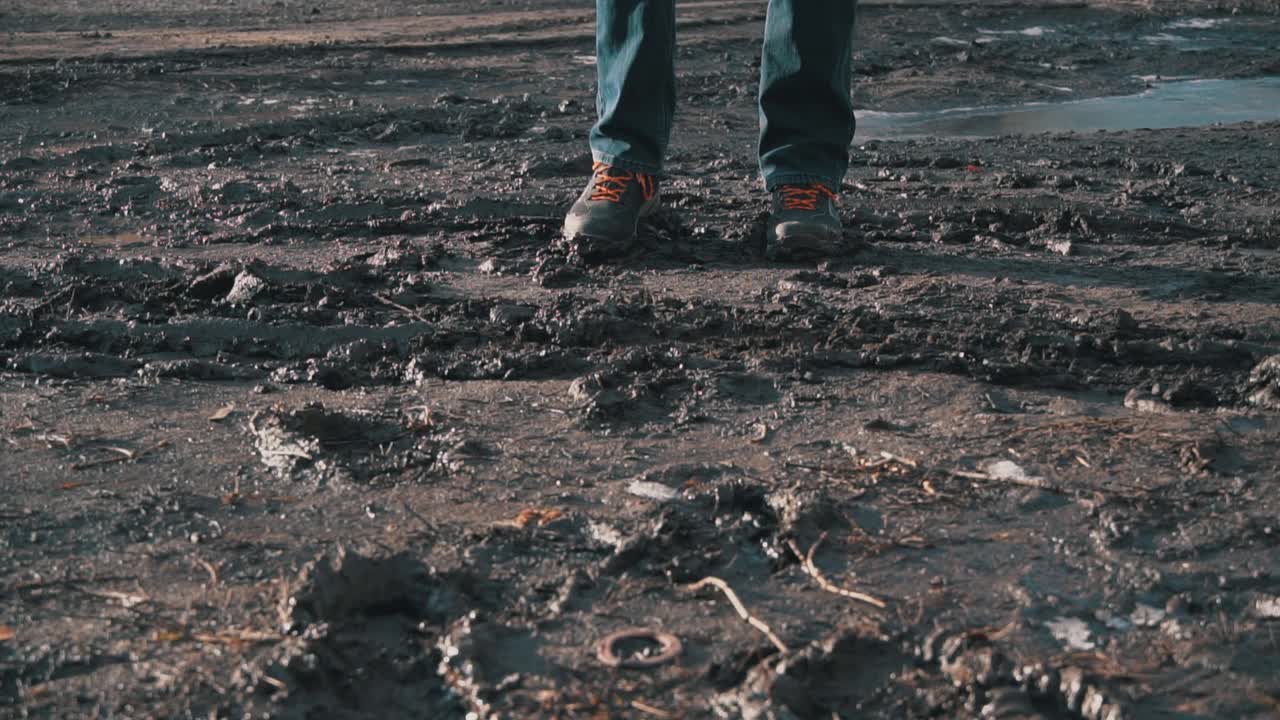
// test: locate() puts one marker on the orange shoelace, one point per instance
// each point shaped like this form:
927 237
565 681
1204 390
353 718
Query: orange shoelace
611 187
804 197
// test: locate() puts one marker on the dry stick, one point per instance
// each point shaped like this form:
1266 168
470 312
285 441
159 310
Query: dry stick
126 599
1038 483
228 637
124 456
807 563
402 308
899 459
752 620
648 709
209 568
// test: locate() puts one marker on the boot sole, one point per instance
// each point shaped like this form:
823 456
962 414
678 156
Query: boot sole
802 243
579 236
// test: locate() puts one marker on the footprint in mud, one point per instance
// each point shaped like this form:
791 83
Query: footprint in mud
357 643
1263 386
837 676
482 662
325 445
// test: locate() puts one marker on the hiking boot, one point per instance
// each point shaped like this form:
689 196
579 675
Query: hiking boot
804 223
610 208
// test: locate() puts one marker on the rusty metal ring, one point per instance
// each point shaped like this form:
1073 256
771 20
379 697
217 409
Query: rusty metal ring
670 648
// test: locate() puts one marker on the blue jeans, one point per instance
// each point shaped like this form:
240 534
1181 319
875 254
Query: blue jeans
806 114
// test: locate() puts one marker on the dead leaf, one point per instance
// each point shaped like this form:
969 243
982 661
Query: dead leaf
528 516
7 633
222 413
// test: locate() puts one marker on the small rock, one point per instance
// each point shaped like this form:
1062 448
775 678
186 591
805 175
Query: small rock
1011 471
509 315
1266 608
652 490
1073 633
1263 387
1061 247
1143 401
1146 616
246 287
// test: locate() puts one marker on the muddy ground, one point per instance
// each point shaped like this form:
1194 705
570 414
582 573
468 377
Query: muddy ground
306 412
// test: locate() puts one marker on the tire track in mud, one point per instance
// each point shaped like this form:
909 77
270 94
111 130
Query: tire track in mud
377 318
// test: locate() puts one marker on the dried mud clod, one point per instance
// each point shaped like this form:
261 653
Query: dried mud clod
359 640
486 664
997 686
712 524
324 445
350 585
838 675
1263 389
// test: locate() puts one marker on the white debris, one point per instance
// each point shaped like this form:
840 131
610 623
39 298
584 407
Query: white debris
1147 616
1267 608
1012 472
1196 23
652 490
1037 31
1115 622
1073 633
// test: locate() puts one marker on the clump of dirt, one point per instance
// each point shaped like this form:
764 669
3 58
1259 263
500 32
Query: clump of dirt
494 669
360 640
327 445
839 675
1263 387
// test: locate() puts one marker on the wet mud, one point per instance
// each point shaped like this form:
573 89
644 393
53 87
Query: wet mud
307 410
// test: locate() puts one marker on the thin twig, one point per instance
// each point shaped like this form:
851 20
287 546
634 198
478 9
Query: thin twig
126 599
402 308
806 561
122 455
752 620
648 709
235 636
209 568
899 459
1031 482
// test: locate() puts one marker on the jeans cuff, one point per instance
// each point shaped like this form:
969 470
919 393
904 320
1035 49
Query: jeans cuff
773 182
625 164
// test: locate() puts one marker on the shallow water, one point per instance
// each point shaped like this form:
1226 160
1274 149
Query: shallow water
1176 104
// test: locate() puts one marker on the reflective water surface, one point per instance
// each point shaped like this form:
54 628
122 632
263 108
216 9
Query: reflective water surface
1189 103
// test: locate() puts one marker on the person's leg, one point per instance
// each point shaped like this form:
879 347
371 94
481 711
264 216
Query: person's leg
636 97
635 65
806 114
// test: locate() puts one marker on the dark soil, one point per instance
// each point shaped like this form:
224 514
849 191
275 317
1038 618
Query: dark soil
307 411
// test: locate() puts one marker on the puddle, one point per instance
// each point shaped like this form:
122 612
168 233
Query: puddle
1177 104
1037 31
123 240
1197 23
